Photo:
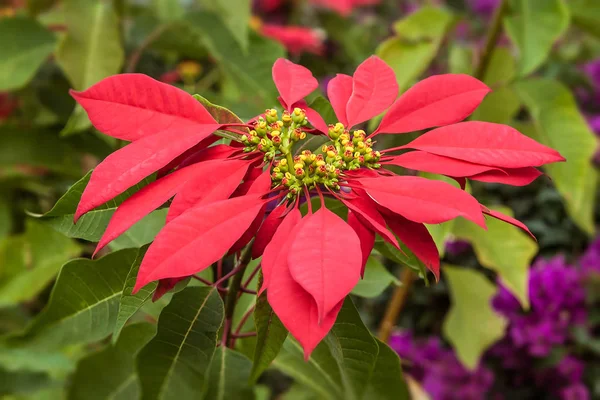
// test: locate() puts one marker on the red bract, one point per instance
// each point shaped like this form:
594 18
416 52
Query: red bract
344 7
244 198
295 39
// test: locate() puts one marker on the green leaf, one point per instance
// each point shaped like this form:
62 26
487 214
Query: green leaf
377 278
439 234
271 335
560 125
249 71
534 27
417 41
24 46
16 359
500 106
387 381
227 376
168 10
37 6
110 373
355 349
83 304
142 232
502 68
471 325
504 248
173 364
92 225
586 14
408 258
460 59
235 14
12 383
221 114
129 303
90 51
34 258
324 108
37 148
320 373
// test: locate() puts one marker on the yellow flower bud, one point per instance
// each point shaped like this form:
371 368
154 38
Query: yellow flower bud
275 133
298 166
330 153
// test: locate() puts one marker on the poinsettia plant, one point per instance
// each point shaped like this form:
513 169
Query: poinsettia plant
243 197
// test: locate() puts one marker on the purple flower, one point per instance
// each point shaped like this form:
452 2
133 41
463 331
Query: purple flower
592 70
483 7
590 260
438 369
457 247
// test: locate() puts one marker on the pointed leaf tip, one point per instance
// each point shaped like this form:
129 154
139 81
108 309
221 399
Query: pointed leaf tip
293 81
317 263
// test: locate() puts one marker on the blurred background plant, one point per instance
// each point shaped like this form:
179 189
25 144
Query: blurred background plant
494 327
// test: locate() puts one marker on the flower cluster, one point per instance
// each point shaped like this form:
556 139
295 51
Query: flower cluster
558 305
439 371
220 193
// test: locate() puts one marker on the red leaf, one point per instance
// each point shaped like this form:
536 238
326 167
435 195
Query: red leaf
427 162
128 166
262 184
276 252
374 89
316 120
418 239
325 259
339 90
485 143
198 238
367 209
514 177
182 160
436 101
423 200
366 237
267 230
164 286
250 232
507 219
148 199
297 310
218 152
217 181
293 81
133 106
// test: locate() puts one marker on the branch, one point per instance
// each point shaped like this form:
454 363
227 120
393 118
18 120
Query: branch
491 40
396 304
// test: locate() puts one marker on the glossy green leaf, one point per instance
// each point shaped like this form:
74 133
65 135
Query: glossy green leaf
407 258
320 373
251 71
24 46
235 14
504 248
355 349
377 278
31 260
129 303
417 41
271 335
559 124
324 108
83 304
38 148
110 373
227 376
387 381
173 364
90 51
92 225
586 14
471 325
534 26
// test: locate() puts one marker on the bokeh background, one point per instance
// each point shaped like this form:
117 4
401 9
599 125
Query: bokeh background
512 318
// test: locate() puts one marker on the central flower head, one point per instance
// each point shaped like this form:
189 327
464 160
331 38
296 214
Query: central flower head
282 140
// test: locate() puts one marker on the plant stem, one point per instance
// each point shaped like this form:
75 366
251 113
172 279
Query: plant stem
137 54
396 304
232 293
491 39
